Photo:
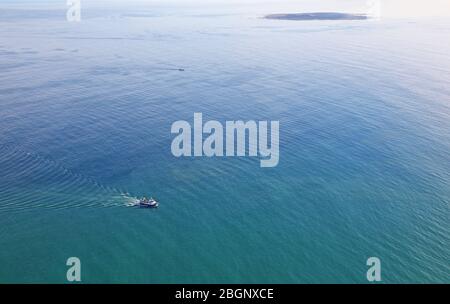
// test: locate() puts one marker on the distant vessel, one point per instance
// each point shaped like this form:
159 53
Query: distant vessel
148 203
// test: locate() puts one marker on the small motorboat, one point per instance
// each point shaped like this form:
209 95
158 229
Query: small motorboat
148 203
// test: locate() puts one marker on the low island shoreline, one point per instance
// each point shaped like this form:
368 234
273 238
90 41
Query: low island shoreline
317 16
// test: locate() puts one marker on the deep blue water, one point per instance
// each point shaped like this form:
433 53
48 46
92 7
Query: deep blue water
85 116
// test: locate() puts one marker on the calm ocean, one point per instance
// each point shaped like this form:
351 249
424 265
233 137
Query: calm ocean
85 115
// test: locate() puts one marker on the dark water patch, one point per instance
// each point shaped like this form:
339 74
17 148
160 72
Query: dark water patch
7 53
29 52
13 66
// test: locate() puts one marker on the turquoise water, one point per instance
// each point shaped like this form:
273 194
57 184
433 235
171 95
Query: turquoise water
86 110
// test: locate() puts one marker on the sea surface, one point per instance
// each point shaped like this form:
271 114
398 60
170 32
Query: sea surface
85 115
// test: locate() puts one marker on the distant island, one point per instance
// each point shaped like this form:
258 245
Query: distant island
317 16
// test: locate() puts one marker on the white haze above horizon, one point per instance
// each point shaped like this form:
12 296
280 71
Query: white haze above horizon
389 8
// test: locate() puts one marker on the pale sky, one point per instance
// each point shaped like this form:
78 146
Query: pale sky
390 8
406 8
